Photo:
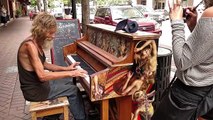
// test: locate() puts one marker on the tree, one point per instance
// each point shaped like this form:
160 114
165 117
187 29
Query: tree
45 5
38 2
33 3
85 14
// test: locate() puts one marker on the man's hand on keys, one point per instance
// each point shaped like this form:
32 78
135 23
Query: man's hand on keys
80 73
73 66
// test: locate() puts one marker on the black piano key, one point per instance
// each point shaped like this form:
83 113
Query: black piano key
83 64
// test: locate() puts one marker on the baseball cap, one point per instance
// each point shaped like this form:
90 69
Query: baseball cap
127 25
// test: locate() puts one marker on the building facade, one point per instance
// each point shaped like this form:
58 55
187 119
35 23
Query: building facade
12 6
163 4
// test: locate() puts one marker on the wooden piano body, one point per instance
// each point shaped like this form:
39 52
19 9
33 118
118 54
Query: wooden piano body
113 58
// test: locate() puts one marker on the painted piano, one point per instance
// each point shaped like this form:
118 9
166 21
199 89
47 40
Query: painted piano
121 68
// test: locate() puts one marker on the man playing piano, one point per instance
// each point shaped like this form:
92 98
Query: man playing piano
36 83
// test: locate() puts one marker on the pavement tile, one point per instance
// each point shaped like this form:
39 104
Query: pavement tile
12 103
4 113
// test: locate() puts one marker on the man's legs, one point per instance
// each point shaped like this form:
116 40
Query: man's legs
60 88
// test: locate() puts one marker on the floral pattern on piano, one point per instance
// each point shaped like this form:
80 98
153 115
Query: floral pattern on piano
113 44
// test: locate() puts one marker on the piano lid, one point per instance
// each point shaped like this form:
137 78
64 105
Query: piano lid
139 35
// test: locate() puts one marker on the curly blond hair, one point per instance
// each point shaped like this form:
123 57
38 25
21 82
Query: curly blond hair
42 23
208 3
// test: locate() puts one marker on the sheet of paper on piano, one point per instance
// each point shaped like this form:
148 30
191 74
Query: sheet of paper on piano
87 78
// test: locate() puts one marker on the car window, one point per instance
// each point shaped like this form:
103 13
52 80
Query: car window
108 12
124 13
144 9
92 10
100 12
149 9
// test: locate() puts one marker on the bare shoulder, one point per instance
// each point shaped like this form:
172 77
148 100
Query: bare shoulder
28 53
28 49
208 12
29 46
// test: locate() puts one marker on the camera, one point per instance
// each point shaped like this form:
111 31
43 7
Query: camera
184 12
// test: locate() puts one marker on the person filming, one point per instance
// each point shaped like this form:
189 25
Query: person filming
191 94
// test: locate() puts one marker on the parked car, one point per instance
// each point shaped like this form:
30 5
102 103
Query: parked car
157 15
114 14
92 14
163 12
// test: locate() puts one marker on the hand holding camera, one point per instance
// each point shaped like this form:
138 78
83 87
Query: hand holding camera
190 17
188 12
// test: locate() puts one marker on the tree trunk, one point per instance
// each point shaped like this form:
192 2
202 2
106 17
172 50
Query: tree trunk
85 14
39 5
45 5
73 8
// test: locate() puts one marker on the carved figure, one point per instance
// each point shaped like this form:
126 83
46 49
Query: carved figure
145 107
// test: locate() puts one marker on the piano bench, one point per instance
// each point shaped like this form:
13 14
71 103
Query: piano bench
50 107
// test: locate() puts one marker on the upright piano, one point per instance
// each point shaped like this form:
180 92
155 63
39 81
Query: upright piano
113 61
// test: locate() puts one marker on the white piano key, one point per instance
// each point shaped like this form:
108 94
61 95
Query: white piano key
87 78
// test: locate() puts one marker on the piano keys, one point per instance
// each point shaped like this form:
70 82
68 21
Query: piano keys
75 58
115 63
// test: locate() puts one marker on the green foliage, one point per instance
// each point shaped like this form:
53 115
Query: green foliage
33 3
18 12
50 3
67 2
78 1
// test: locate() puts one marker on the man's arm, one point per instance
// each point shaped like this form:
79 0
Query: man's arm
39 68
53 67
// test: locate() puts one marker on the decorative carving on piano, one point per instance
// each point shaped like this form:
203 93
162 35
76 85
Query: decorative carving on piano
108 83
126 80
123 48
92 36
117 46
145 55
145 107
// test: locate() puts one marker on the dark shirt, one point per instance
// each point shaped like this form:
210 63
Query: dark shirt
32 88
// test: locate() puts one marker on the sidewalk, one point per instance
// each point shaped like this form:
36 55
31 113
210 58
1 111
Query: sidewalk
12 103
